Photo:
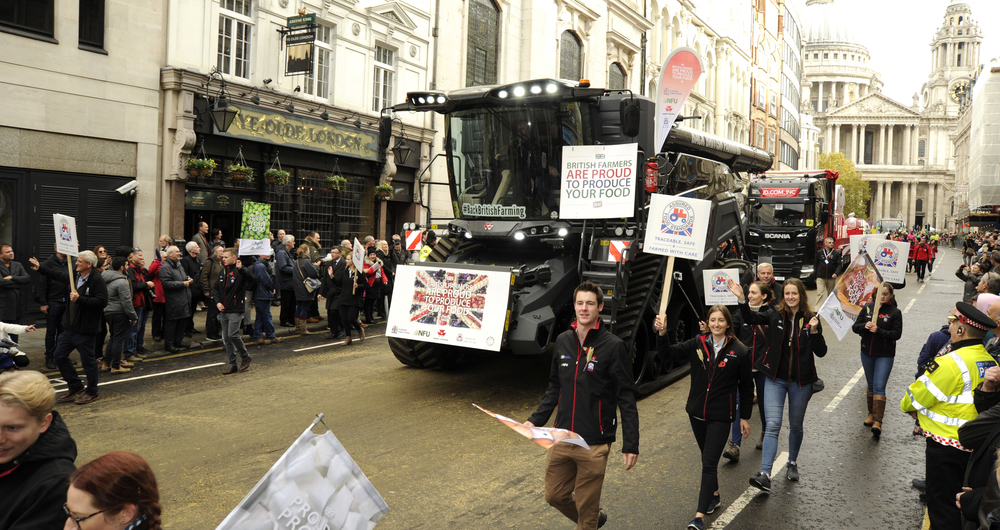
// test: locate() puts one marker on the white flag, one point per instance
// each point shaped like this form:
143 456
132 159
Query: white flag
359 255
314 485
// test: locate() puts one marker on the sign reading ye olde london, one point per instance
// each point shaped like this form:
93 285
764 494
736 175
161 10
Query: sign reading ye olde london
306 134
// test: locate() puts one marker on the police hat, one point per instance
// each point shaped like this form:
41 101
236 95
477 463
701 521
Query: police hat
968 314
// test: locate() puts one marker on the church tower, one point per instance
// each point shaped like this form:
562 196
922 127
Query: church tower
954 61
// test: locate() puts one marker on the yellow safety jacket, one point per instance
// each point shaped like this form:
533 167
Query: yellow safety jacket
426 251
942 395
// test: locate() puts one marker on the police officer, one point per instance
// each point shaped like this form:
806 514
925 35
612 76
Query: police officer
941 399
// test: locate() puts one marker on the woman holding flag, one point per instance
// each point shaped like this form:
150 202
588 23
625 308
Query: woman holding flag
352 294
795 337
880 325
720 365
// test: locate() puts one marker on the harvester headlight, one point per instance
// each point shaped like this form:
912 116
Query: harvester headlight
421 100
519 235
468 235
534 230
518 91
619 231
563 232
502 94
536 89
552 88
440 100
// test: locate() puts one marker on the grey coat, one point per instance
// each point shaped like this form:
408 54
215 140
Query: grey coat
13 303
178 303
119 295
302 269
284 264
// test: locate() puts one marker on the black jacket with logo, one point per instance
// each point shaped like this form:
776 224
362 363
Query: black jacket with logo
714 378
802 345
231 288
826 265
83 316
33 486
588 392
881 343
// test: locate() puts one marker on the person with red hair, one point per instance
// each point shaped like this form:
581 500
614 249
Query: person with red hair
116 491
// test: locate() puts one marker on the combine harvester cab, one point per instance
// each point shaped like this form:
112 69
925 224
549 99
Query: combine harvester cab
504 150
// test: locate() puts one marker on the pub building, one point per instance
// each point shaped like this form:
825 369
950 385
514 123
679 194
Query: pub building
309 148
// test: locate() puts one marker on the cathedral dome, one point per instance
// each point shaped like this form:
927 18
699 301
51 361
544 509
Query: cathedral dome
827 23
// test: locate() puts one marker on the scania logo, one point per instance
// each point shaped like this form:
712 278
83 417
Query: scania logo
777 236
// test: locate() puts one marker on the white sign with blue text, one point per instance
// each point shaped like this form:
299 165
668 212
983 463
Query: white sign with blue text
677 226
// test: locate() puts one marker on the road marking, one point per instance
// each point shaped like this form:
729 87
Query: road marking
844 391
331 344
922 286
909 305
60 382
741 502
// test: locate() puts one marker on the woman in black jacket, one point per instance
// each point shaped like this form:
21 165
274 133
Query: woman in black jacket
878 350
971 277
795 336
352 284
304 268
754 336
720 365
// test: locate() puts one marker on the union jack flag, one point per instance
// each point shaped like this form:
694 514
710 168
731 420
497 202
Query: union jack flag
445 298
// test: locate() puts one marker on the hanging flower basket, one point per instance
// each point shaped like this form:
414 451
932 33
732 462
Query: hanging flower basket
239 173
384 192
336 183
200 167
276 176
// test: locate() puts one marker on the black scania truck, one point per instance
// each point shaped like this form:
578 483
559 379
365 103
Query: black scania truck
791 213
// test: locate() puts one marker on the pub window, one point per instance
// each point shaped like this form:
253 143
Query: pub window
92 23
318 84
616 77
483 43
32 16
570 56
235 25
384 74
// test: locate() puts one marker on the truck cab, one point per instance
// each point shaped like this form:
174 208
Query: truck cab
790 216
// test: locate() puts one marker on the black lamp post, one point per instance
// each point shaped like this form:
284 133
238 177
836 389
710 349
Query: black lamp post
223 115
402 149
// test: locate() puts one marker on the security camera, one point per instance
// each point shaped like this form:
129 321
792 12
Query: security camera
128 188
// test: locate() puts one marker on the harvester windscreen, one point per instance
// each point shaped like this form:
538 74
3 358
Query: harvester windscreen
782 214
505 162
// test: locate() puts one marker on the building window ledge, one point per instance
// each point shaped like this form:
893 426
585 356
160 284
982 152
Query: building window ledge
92 48
28 34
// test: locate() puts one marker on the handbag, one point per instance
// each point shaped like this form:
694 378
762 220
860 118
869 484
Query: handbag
818 385
311 283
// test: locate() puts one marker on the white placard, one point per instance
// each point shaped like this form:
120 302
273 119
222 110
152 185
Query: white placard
255 247
598 181
716 286
358 255
889 258
450 305
677 226
66 241
862 241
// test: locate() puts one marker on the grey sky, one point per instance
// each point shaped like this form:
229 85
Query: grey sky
898 34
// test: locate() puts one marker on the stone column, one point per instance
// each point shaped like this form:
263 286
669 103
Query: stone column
931 147
836 139
931 208
906 145
889 147
828 146
887 205
853 146
877 203
941 212
904 201
879 157
859 145
819 102
915 145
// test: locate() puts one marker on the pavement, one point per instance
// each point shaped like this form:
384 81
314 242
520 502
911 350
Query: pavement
442 464
33 344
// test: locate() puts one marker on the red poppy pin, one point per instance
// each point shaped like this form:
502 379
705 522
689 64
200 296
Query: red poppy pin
722 363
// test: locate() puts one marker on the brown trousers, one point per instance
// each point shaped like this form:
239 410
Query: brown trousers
573 481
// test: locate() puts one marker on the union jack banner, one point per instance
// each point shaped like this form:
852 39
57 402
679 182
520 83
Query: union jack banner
446 298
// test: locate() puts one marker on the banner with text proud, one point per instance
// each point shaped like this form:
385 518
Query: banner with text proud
677 226
598 181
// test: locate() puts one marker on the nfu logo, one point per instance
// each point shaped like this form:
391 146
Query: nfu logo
885 255
420 333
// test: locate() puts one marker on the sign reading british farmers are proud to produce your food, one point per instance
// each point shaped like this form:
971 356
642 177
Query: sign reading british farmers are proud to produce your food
598 181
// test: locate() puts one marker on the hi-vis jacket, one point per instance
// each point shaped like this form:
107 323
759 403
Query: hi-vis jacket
942 396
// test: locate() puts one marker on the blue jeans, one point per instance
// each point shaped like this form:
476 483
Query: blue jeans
758 381
133 339
775 391
302 309
877 371
262 327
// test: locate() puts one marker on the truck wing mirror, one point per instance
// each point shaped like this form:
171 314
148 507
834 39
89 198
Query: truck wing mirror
629 117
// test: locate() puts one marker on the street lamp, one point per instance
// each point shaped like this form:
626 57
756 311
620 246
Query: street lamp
222 114
402 148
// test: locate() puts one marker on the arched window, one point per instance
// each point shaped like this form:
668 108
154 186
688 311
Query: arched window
483 43
920 205
921 148
570 56
616 77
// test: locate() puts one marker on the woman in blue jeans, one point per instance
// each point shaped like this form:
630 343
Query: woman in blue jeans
878 350
795 337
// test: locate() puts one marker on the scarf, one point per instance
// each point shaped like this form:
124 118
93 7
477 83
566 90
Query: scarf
135 524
